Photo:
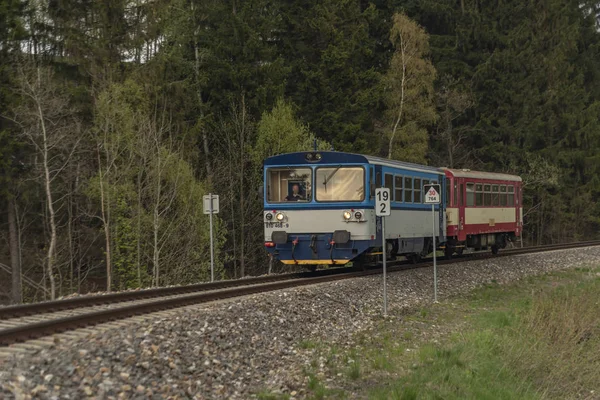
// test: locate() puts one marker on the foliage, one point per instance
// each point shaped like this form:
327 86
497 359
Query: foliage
409 91
280 132
168 100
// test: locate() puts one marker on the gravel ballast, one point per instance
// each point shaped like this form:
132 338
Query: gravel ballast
235 349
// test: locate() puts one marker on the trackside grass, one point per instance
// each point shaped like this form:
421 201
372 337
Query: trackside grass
537 339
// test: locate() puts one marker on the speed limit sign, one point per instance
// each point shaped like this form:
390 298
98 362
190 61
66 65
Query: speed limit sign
382 202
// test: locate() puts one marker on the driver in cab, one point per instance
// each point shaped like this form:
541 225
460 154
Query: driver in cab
295 195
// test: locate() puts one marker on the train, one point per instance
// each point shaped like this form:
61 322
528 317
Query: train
319 209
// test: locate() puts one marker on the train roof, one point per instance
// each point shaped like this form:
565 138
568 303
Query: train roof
402 164
334 157
467 173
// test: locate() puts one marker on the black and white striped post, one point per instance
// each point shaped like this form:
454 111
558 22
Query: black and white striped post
211 206
432 196
382 210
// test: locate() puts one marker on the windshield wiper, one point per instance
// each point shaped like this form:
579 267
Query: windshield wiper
328 178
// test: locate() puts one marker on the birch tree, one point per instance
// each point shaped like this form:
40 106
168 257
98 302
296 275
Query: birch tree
409 91
112 134
47 121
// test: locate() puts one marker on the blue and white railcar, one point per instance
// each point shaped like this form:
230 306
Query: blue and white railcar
319 207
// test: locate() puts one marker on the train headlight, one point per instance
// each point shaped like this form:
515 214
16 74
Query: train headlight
358 215
279 217
268 216
347 215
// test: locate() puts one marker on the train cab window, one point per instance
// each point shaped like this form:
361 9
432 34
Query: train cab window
389 184
503 198
417 190
511 196
408 186
398 187
340 184
495 196
447 193
373 182
487 195
470 194
478 194
289 184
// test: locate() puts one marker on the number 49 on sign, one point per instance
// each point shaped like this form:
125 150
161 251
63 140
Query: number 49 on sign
382 202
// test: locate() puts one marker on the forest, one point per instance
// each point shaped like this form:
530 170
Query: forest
117 116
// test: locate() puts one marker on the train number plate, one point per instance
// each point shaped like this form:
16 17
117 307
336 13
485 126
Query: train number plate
273 224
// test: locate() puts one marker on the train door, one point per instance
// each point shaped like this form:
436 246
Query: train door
459 187
518 200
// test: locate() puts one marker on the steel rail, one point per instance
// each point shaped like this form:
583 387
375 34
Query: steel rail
43 328
22 310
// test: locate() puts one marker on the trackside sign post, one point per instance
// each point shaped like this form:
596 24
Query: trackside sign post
383 209
211 206
432 196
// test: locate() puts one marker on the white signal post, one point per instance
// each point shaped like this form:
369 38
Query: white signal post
432 196
383 209
211 206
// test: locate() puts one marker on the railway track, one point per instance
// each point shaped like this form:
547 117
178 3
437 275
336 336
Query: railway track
31 321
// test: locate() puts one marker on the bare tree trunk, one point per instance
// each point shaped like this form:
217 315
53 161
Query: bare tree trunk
17 297
232 196
156 222
450 145
198 60
156 253
401 109
70 239
242 192
139 229
50 201
105 212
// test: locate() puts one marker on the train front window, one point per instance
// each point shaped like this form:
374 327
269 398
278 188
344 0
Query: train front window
340 184
289 184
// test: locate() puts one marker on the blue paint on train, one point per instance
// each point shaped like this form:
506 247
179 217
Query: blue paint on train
303 246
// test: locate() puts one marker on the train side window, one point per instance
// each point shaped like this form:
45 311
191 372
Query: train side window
398 187
389 184
470 194
479 194
511 196
417 190
495 196
503 199
487 195
447 193
461 196
408 185
455 194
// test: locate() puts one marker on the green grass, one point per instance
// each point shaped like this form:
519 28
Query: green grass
539 338
265 395
308 344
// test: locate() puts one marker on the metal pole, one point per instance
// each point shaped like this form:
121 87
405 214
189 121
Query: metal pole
212 252
384 266
434 257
